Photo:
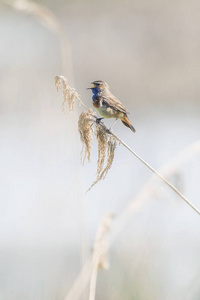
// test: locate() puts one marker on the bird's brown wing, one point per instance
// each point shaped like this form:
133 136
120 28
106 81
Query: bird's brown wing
112 101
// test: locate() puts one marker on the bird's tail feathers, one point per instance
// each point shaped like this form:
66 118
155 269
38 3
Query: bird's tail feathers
127 123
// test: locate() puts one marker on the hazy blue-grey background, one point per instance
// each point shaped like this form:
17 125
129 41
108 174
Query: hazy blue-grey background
149 53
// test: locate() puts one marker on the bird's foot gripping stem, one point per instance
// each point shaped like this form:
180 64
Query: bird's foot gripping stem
98 120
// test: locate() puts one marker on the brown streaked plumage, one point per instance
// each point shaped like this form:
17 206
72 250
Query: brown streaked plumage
108 105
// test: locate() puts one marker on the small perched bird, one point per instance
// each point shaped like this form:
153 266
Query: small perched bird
107 104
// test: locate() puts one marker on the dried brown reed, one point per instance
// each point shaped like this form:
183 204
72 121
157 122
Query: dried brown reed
105 146
100 258
112 144
85 127
69 94
50 21
100 248
102 138
42 13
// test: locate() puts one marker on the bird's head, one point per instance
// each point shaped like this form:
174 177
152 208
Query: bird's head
99 85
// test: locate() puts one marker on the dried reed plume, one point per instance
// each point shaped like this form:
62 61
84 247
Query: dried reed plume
100 249
85 127
42 13
100 252
106 145
111 146
69 93
102 138
44 16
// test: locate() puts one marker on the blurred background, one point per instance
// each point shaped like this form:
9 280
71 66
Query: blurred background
149 53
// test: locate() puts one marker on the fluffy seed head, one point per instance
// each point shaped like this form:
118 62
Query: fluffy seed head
85 129
100 252
69 93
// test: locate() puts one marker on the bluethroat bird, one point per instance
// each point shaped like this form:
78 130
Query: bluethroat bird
107 104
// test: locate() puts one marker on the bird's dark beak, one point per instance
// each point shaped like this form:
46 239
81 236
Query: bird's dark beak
89 88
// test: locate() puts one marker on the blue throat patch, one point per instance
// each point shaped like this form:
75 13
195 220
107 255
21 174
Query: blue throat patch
96 94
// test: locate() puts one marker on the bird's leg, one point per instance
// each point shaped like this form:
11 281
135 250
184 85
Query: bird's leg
98 120
113 124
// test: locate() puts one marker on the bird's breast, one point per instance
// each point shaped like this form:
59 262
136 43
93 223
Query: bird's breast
105 110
